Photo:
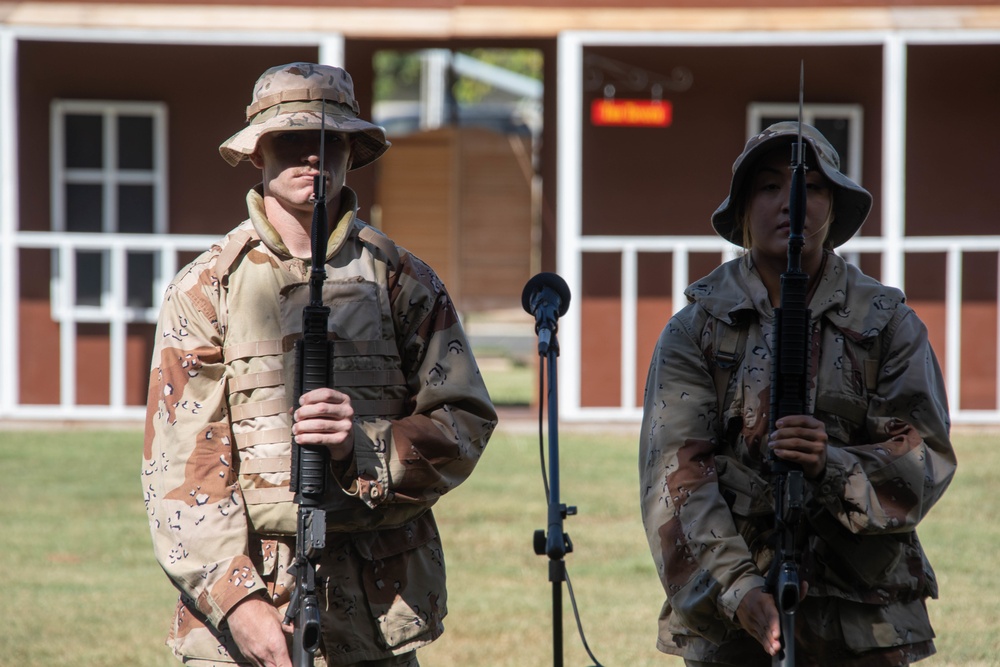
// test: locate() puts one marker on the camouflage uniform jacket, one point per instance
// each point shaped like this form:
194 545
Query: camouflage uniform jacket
217 444
706 499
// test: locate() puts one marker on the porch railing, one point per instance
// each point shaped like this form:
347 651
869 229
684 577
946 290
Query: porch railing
166 250
113 311
955 248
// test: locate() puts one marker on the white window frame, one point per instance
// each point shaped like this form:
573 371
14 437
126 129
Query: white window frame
853 113
113 246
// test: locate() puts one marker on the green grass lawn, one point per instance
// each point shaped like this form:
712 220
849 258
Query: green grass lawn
84 589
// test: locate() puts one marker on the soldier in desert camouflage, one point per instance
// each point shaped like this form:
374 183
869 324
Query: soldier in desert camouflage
405 422
875 451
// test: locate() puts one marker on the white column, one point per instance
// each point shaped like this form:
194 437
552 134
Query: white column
9 266
893 159
569 178
629 323
434 65
331 50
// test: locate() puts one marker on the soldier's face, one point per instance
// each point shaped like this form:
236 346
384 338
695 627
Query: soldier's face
768 214
290 161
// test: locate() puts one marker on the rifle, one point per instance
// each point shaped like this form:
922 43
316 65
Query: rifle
313 353
789 394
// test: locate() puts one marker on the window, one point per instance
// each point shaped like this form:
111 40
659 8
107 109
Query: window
108 178
839 123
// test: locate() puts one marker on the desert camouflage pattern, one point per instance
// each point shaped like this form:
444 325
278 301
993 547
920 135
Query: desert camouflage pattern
217 446
706 498
296 96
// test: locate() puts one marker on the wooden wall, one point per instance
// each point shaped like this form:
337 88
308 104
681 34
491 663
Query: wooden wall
461 200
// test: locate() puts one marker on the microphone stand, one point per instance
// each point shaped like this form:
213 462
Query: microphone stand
555 543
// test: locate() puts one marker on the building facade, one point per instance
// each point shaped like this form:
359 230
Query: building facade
109 179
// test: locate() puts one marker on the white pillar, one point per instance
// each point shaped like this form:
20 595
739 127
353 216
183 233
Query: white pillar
569 205
434 65
893 159
9 266
331 50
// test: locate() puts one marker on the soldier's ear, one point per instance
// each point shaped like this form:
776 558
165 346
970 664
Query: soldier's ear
256 159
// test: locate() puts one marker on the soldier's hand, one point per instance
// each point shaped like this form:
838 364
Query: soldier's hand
257 630
325 417
801 439
758 615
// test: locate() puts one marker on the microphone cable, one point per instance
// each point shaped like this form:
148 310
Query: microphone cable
545 482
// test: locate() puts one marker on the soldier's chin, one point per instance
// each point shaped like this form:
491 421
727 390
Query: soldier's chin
312 195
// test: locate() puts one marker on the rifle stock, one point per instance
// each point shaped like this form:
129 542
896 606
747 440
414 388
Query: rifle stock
789 387
313 354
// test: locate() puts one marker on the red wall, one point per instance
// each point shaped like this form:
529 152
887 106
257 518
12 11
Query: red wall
206 90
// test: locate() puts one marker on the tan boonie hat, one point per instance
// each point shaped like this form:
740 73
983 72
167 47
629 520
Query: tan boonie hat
290 97
851 202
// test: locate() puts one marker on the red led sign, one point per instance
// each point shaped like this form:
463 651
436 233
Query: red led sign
631 113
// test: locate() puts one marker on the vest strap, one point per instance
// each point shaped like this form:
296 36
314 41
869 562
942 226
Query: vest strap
379 407
343 348
371 378
257 380
253 348
383 243
270 436
265 465
364 348
228 256
277 494
871 374
728 354
275 406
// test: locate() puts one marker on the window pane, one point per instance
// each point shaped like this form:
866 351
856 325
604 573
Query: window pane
135 142
135 209
84 141
837 132
89 277
84 207
768 121
139 292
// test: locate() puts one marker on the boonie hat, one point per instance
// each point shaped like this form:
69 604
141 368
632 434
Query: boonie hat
851 202
290 97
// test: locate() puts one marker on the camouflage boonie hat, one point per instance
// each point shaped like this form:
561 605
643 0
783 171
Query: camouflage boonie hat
851 202
289 97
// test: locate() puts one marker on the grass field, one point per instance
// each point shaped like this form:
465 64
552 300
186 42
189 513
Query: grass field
84 589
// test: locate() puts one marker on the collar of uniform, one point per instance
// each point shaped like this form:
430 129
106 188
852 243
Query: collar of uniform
732 287
270 237
855 303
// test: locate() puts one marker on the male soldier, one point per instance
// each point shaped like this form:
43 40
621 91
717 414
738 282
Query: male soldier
406 421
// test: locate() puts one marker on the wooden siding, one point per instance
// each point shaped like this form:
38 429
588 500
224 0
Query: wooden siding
461 200
494 18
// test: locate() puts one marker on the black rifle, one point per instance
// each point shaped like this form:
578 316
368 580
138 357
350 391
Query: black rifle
313 354
789 387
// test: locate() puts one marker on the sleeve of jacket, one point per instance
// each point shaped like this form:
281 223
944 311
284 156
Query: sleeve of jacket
703 562
194 505
889 485
422 456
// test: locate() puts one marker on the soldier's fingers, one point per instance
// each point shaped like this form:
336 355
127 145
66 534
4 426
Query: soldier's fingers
324 410
323 395
799 439
807 422
322 426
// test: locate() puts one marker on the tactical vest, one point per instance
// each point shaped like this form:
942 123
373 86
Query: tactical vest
260 335
727 343
851 564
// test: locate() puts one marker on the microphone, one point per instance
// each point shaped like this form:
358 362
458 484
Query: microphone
546 296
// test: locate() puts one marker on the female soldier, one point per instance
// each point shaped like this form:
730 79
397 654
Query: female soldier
875 448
